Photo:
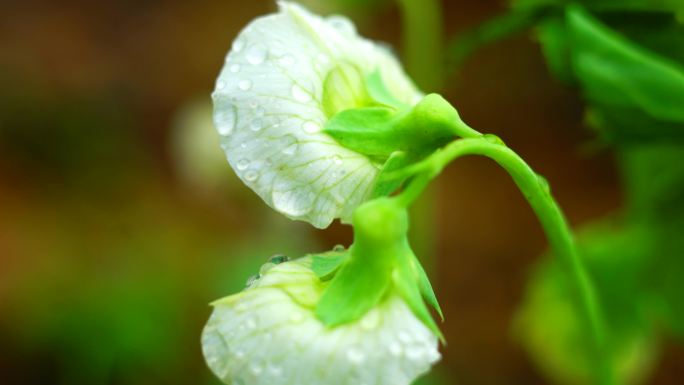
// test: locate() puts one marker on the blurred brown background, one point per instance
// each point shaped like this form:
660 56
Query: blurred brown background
120 220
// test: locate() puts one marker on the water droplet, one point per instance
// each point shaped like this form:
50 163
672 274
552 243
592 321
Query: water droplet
245 84
256 54
415 353
300 94
266 267
338 248
342 24
225 118
243 145
311 127
242 164
493 139
251 176
251 280
355 355
286 60
278 259
256 124
394 348
337 159
238 44
235 68
220 85
289 144
291 202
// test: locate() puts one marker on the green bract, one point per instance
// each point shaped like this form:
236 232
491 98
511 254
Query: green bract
309 114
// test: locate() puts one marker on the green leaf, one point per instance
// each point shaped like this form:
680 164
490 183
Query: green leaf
615 72
325 265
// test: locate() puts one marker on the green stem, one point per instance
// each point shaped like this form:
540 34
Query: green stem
422 41
536 191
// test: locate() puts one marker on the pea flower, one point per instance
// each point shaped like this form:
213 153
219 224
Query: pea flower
269 334
287 75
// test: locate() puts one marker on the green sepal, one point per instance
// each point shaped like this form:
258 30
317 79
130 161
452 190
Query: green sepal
325 265
384 187
405 282
425 286
378 131
357 287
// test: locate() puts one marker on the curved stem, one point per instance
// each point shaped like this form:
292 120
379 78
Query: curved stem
536 191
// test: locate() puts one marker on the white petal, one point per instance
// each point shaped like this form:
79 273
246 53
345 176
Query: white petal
268 335
269 114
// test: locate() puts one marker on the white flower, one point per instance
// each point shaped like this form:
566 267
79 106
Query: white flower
268 335
285 76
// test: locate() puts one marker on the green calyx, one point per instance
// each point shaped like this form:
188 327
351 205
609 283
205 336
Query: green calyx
365 116
379 263
378 131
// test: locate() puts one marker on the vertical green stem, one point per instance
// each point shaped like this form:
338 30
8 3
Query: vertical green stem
536 191
422 41
422 44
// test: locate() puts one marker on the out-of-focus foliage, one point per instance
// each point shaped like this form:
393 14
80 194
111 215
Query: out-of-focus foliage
626 59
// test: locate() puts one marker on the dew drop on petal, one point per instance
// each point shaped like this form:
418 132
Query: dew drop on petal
256 54
245 84
300 94
341 24
242 164
220 85
238 44
225 118
338 248
337 159
394 348
251 176
256 124
311 127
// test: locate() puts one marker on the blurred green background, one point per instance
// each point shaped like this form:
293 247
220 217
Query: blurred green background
120 219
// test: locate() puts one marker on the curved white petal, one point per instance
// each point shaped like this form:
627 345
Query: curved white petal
268 335
268 111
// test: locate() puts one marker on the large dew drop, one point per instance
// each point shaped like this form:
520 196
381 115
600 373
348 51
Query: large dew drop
225 118
256 54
